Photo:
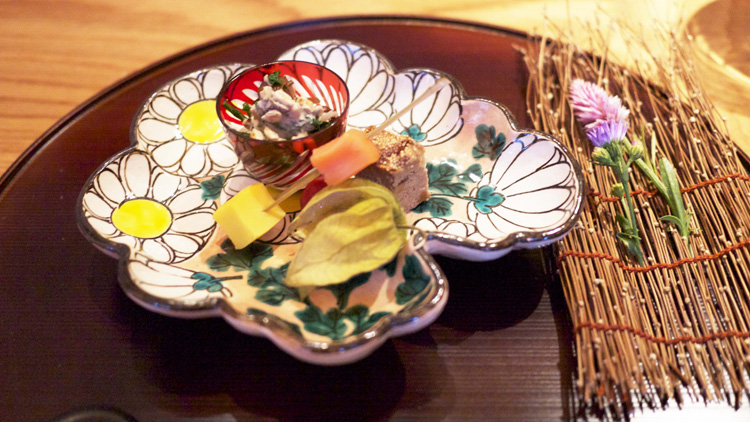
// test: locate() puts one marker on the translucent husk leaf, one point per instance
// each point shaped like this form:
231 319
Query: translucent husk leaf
350 228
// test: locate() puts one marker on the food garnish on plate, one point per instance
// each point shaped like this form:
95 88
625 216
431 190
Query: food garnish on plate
280 114
356 223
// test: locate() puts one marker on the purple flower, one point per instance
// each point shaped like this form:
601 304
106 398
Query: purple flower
604 132
602 114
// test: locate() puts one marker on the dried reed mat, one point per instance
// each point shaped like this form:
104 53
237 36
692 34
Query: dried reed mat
648 336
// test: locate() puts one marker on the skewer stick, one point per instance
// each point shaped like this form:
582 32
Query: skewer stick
313 173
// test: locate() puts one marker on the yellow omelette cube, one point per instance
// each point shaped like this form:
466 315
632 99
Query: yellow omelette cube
242 217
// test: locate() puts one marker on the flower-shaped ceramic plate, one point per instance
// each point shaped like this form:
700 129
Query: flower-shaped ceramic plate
494 187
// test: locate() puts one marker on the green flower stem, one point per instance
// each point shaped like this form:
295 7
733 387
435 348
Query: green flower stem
615 158
634 245
650 172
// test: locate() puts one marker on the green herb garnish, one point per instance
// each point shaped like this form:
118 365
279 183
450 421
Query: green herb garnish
318 125
234 111
276 80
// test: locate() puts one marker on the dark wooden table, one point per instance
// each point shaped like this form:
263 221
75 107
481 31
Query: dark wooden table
71 339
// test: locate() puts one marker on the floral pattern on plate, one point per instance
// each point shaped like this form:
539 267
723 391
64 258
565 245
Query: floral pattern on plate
132 188
494 188
178 125
377 91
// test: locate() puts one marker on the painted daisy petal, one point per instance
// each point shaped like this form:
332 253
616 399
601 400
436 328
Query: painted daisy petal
166 281
222 155
157 130
103 227
135 173
187 91
157 250
169 155
238 180
165 185
453 227
367 118
422 111
502 223
499 169
213 80
165 108
457 228
96 206
371 88
308 54
193 222
186 200
194 162
429 224
125 239
489 230
108 184
182 245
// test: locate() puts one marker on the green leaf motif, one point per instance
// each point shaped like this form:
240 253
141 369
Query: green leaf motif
487 199
363 321
275 297
269 281
473 174
441 178
266 277
212 188
415 280
207 282
489 144
239 259
271 287
436 206
390 268
343 290
330 324
414 132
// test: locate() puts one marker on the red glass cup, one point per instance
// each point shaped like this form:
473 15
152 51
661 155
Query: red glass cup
280 163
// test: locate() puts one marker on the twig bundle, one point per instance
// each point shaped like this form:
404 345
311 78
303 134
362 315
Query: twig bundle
681 323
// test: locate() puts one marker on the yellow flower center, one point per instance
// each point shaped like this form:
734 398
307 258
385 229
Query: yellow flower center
142 218
200 124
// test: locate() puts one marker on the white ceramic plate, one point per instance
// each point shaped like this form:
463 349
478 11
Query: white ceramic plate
494 188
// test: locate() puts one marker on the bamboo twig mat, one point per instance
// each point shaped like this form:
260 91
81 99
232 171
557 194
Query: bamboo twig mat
649 336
